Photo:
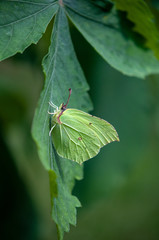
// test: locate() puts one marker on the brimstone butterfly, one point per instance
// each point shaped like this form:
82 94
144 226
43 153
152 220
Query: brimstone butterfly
77 135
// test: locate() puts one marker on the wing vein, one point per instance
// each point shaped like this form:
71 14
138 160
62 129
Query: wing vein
76 129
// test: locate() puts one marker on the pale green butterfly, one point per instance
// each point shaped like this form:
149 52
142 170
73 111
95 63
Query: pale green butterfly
77 135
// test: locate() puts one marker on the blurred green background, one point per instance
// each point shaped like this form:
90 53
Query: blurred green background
119 192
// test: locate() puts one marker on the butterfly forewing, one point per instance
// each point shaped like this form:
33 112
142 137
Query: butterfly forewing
103 130
74 141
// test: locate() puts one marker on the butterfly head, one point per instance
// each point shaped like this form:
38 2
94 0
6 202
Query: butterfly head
59 110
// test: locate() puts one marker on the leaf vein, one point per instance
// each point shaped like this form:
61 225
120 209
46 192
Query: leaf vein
8 40
24 18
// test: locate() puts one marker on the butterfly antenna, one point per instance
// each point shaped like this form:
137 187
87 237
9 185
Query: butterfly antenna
70 91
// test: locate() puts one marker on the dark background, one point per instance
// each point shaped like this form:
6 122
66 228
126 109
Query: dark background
119 192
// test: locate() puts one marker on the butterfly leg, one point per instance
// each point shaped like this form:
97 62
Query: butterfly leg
50 113
51 130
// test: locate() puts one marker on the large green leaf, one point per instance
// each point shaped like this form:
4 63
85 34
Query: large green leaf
140 14
113 41
23 23
62 72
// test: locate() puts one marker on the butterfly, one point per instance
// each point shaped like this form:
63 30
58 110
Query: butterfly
77 135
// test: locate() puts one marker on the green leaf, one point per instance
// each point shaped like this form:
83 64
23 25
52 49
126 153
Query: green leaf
140 14
114 42
23 23
62 71
64 204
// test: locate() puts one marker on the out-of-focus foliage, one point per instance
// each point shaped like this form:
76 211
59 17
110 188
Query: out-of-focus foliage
144 22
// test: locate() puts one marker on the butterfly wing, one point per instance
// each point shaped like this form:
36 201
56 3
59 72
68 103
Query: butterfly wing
103 130
81 135
73 141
